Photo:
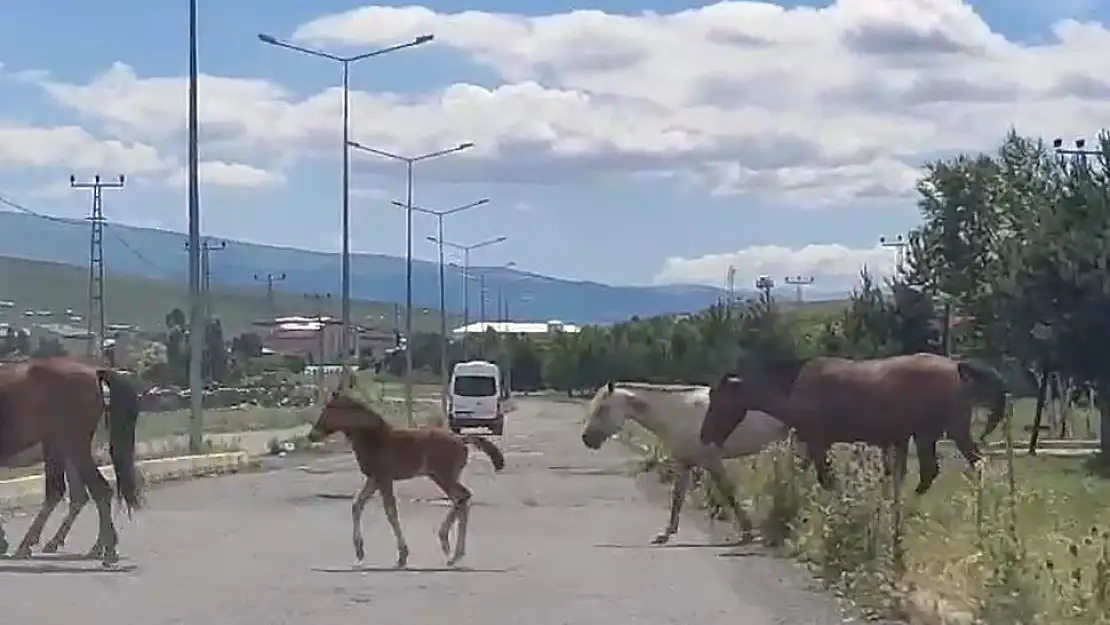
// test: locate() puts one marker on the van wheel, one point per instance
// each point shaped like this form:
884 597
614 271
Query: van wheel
497 430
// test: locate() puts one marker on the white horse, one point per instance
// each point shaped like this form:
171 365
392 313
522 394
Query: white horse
674 416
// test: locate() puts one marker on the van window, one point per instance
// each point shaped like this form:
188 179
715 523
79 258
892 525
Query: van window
475 386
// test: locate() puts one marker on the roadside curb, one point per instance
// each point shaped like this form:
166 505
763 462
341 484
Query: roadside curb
153 471
918 607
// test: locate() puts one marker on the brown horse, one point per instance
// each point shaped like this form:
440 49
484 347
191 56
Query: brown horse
387 454
883 402
57 403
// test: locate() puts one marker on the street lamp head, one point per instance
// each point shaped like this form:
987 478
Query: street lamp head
500 240
1080 144
270 39
423 39
465 146
1057 143
482 202
430 238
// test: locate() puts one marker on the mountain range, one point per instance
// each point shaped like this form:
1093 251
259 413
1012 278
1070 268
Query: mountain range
161 254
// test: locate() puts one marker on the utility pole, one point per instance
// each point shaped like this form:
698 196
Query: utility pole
765 284
95 320
321 333
899 243
270 279
731 285
206 249
482 301
196 311
799 282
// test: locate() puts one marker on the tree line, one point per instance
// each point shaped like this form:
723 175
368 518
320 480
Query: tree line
1009 264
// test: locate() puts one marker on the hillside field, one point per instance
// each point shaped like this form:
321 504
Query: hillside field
35 285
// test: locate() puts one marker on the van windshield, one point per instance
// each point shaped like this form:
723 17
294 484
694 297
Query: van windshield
475 386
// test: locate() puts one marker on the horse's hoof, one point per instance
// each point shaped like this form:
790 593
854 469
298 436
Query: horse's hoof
3 547
22 553
661 539
96 551
402 558
51 547
454 560
360 551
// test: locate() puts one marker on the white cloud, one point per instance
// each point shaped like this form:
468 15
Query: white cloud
830 265
76 148
233 175
820 105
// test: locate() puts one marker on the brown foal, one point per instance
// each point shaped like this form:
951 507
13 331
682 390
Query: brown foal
387 454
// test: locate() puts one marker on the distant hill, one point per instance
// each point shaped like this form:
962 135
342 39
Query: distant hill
160 254
49 289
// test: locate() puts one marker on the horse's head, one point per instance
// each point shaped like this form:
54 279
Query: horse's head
730 399
606 413
343 413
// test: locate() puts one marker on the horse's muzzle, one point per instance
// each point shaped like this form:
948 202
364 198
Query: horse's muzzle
592 440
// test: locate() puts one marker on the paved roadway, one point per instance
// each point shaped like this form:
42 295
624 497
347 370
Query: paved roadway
560 537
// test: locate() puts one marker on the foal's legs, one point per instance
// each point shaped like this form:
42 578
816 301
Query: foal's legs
819 458
460 509
54 470
389 502
358 504
716 469
678 497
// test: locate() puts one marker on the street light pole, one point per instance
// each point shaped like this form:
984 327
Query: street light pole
899 243
439 215
466 249
345 62
196 315
409 161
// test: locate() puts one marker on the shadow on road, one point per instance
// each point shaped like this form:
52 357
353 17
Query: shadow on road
720 545
411 569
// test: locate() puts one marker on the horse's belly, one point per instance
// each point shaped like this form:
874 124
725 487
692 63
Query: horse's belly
29 456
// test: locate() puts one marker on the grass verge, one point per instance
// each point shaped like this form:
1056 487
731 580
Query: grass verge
1024 540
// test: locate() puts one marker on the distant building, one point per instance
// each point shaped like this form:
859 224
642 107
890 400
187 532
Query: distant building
318 339
516 327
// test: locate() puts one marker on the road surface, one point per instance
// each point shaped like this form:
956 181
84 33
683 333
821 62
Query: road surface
560 537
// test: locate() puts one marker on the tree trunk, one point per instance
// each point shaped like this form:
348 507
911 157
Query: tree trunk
1102 401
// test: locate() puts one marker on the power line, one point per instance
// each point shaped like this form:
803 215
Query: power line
96 259
799 282
21 208
270 279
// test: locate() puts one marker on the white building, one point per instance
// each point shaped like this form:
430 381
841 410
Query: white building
515 327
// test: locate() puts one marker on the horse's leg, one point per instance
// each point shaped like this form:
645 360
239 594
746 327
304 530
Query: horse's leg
901 452
927 458
389 502
107 539
55 490
358 504
460 497
716 468
678 497
78 497
819 458
967 447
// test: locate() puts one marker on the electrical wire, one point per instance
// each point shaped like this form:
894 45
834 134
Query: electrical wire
18 207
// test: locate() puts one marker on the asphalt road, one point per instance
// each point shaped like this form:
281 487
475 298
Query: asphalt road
559 537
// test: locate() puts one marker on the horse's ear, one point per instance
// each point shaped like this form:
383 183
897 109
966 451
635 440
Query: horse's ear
609 387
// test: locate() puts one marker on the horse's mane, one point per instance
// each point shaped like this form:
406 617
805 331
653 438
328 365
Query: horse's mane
373 419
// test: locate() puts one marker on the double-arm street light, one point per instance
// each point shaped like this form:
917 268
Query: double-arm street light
466 250
409 161
346 62
439 215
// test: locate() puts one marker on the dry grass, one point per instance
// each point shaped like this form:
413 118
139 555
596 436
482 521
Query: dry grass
1022 541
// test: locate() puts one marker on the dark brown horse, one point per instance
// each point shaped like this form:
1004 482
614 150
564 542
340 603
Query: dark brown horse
387 454
57 403
884 402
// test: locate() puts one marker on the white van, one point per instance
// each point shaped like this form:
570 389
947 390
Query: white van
475 400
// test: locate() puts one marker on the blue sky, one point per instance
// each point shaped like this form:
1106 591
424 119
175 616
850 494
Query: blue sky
633 149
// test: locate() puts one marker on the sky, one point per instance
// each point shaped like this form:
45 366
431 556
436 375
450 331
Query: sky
656 142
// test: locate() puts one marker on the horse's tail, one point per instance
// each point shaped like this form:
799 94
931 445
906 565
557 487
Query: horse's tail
988 385
487 447
122 417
